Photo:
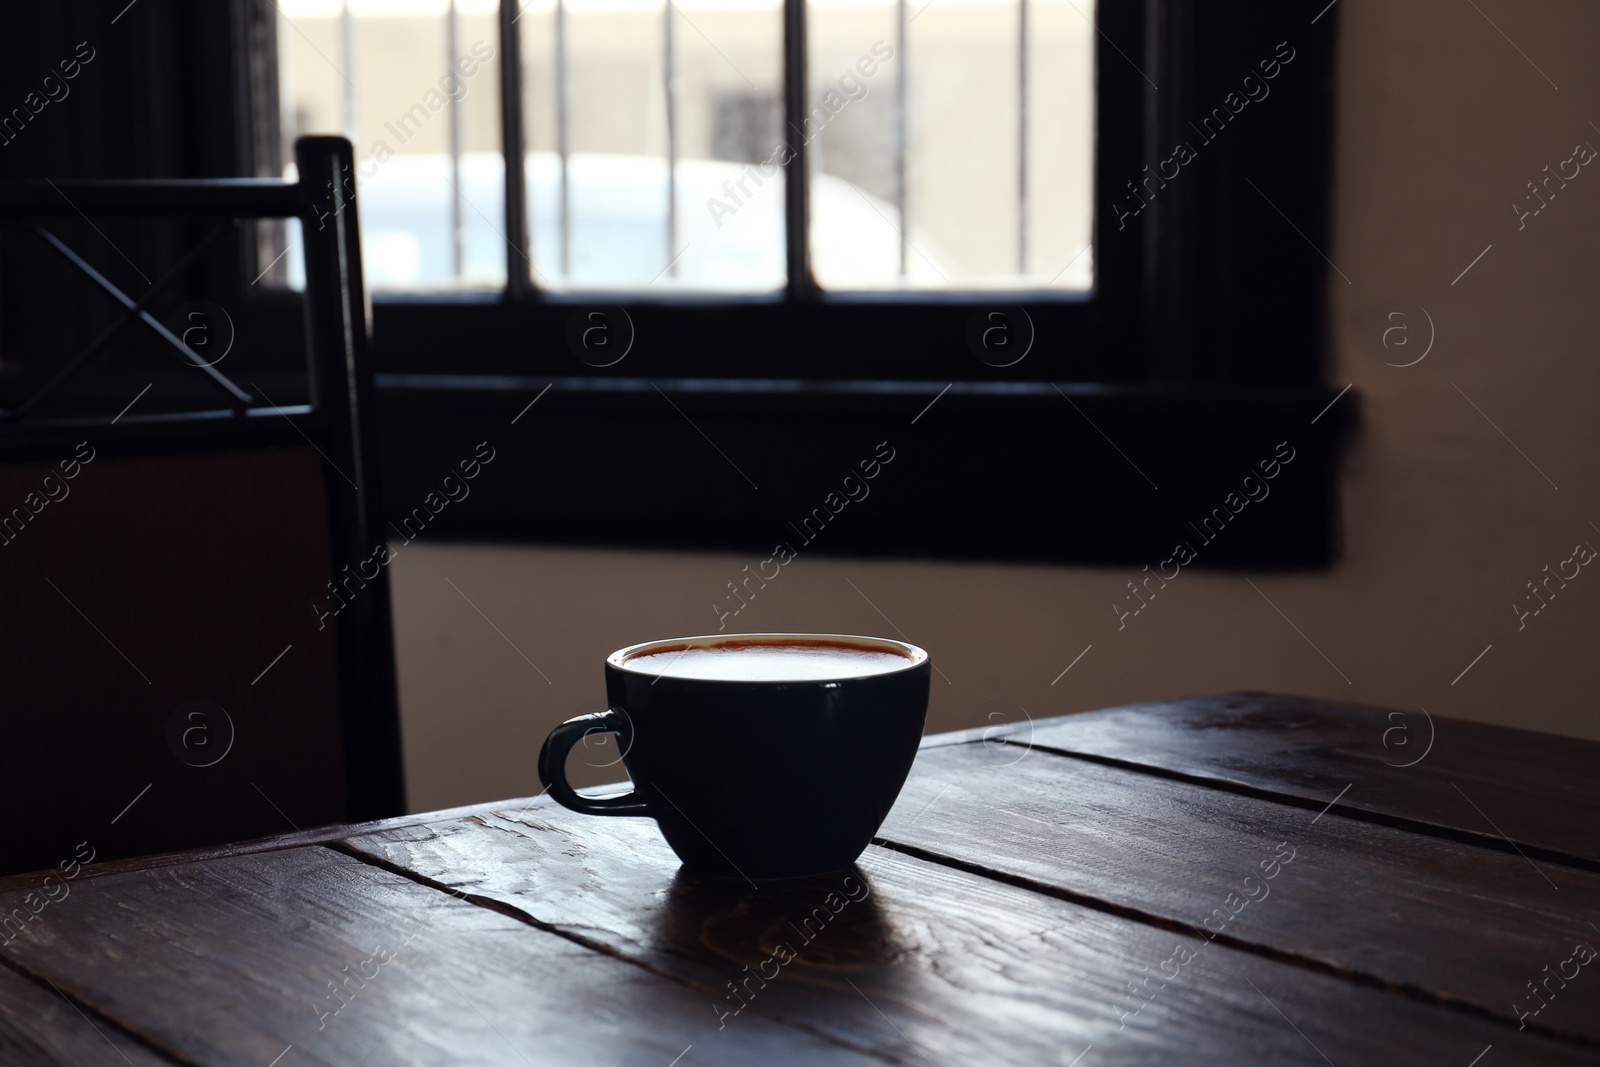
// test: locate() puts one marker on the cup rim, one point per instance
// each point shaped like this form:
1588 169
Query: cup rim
915 656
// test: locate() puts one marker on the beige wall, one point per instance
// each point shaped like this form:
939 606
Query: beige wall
1441 124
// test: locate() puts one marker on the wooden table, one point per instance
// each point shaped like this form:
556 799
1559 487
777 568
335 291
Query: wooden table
1240 879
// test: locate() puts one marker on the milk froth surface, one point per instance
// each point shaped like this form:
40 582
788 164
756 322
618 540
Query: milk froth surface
768 663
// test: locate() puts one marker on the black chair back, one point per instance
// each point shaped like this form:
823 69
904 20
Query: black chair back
195 636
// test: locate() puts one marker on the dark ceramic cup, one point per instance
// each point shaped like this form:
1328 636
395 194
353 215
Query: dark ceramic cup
755 779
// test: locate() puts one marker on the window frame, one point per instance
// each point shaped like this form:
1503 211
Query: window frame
1092 318
1199 347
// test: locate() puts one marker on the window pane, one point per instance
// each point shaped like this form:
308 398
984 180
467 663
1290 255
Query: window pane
614 91
415 84
951 143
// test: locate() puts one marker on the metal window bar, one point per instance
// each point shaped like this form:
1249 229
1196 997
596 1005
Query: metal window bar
457 236
901 194
347 56
669 64
272 141
519 280
796 182
563 136
1022 137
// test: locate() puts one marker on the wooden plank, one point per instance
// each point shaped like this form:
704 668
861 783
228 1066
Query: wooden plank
935 965
41 1028
1474 779
314 836
318 957
1430 915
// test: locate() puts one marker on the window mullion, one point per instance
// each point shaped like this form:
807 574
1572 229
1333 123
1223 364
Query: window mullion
902 201
1022 138
669 69
796 174
519 281
452 36
564 138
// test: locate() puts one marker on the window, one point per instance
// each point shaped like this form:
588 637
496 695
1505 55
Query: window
416 88
1067 251
942 153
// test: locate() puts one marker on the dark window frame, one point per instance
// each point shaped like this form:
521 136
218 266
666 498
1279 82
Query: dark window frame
801 324
1138 411
1198 352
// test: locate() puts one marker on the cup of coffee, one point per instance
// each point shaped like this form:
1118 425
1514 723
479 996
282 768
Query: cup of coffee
760 756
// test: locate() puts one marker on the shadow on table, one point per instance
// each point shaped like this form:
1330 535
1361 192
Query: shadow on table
809 926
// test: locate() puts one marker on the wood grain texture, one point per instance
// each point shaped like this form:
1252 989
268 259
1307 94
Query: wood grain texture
314 836
934 965
1031 907
1439 916
40 1028
1540 790
233 961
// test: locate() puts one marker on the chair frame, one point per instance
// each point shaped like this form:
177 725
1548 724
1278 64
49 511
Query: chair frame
336 421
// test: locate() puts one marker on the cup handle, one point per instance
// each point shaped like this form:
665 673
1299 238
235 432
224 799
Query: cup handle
553 765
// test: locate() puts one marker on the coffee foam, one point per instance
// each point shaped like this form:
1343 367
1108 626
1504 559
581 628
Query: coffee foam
752 662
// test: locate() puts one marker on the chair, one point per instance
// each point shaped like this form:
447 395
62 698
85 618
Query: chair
195 640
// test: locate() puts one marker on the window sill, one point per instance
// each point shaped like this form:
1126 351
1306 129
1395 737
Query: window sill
1016 472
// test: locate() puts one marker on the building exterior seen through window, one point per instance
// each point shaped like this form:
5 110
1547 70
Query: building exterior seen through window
950 141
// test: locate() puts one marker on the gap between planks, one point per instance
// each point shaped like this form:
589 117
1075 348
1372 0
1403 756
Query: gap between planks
90 1008
511 911
316 835
1395 822
1405 990
1354 976
334 838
